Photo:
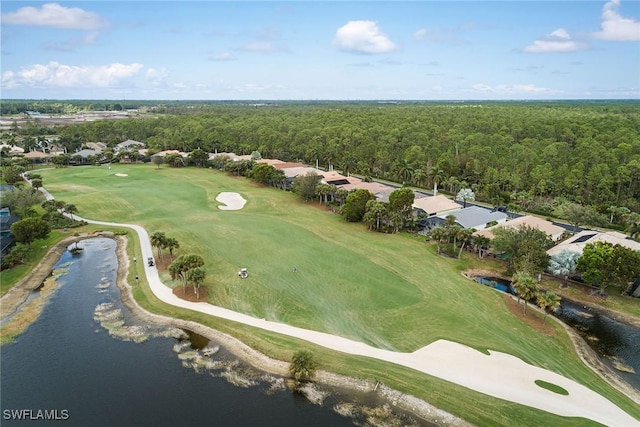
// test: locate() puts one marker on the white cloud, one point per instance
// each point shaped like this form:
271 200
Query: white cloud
56 16
224 56
156 77
55 74
259 46
70 45
614 27
421 34
557 41
363 37
517 89
439 35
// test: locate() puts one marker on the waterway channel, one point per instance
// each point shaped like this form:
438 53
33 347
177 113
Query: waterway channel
616 343
90 361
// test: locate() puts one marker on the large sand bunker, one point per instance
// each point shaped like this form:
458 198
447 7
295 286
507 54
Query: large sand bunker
230 201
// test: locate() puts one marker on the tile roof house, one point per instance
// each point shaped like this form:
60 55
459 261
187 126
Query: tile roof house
270 162
299 171
84 154
476 217
232 156
373 187
436 205
37 156
286 165
549 228
579 241
11 149
96 146
335 178
130 144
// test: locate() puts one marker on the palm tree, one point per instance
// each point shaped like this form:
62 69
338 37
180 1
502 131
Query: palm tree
482 244
375 213
420 176
396 220
436 175
180 267
196 276
303 366
449 221
438 234
455 232
464 235
158 240
171 244
322 191
548 301
405 171
70 209
526 286
341 195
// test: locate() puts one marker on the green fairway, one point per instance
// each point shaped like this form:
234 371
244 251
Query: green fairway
389 291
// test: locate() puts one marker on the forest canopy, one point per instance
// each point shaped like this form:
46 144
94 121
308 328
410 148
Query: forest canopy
531 153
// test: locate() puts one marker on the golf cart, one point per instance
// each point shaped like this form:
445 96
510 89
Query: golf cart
243 274
150 261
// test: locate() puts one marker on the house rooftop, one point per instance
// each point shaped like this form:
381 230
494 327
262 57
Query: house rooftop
36 155
287 165
271 162
476 216
299 171
435 204
549 228
129 142
373 187
577 242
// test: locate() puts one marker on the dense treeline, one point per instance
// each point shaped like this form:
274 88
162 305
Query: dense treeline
529 153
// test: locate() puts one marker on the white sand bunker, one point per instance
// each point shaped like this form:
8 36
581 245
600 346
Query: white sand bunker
121 174
230 201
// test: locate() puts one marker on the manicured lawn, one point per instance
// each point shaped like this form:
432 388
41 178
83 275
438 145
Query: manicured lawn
391 291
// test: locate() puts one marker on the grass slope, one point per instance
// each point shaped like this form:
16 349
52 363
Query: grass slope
391 291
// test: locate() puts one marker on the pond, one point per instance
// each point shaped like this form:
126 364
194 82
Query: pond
92 361
497 283
617 343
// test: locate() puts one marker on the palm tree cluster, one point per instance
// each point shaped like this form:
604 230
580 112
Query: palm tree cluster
161 242
451 233
188 269
527 289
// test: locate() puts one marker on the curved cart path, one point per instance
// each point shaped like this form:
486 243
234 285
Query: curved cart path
499 374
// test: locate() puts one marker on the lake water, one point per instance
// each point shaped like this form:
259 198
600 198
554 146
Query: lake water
68 362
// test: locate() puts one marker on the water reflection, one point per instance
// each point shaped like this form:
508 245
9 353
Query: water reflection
617 343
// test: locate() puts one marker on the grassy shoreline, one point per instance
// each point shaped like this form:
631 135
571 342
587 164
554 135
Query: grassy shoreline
469 405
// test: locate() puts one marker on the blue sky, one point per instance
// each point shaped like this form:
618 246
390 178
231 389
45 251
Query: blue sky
424 50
